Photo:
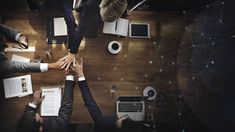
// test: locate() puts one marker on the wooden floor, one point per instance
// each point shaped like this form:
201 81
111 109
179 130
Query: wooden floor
141 63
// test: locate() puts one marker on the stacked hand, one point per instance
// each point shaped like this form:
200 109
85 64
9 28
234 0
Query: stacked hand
78 69
67 61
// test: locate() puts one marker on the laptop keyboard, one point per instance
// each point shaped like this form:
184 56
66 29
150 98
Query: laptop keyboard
130 107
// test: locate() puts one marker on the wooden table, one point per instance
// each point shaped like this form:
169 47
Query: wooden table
137 66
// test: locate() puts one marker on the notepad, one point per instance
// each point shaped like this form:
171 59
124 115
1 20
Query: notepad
60 27
51 103
118 27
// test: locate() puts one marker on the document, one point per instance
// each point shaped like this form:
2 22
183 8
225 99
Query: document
60 27
18 86
118 27
52 100
19 58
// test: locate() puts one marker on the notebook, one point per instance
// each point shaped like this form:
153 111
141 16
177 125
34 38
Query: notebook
133 106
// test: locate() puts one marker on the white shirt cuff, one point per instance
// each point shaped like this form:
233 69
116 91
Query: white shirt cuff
32 105
17 36
43 67
70 77
81 78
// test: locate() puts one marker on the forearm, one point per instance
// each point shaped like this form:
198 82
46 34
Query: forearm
22 67
10 33
67 101
90 103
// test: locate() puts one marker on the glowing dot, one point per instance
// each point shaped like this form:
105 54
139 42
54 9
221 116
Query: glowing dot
220 20
223 3
193 78
213 43
202 34
160 70
115 68
193 45
136 88
173 63
207 6
169 82
159 46
184 11
145 75
150 62
154 42
149 106
209 38
125 56
183 130
207 66
122 79
212 62
162 57
180 96
179 114
186 28
191 60
233 36
99 78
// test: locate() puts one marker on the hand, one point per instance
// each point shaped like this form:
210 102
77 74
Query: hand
23 42
37 99
78 69
56 65
67 60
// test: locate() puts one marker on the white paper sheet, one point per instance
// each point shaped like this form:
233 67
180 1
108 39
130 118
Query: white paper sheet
51 103
19 58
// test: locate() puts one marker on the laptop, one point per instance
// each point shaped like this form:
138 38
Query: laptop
139 30
133 106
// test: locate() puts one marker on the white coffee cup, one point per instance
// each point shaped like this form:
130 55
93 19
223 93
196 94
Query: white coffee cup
114 47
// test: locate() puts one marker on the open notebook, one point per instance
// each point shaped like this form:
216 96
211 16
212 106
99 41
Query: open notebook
17 86
118 27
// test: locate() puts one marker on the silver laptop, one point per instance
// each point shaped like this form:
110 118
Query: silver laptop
133 106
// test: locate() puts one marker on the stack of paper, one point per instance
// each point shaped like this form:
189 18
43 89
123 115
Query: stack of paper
17 86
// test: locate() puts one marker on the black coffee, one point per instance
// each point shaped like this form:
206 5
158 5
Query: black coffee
115 46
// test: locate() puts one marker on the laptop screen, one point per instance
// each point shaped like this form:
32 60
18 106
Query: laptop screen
130 98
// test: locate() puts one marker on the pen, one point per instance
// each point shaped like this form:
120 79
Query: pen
16 47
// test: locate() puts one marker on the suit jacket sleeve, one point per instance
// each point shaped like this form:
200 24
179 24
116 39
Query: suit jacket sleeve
75 32
8 32
13 66
90 103
67 101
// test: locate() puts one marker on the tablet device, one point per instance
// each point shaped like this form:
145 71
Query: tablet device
139 30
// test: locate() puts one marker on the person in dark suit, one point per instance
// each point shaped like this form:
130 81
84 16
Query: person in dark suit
10 34
102 123
75 32
109 10
31 121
